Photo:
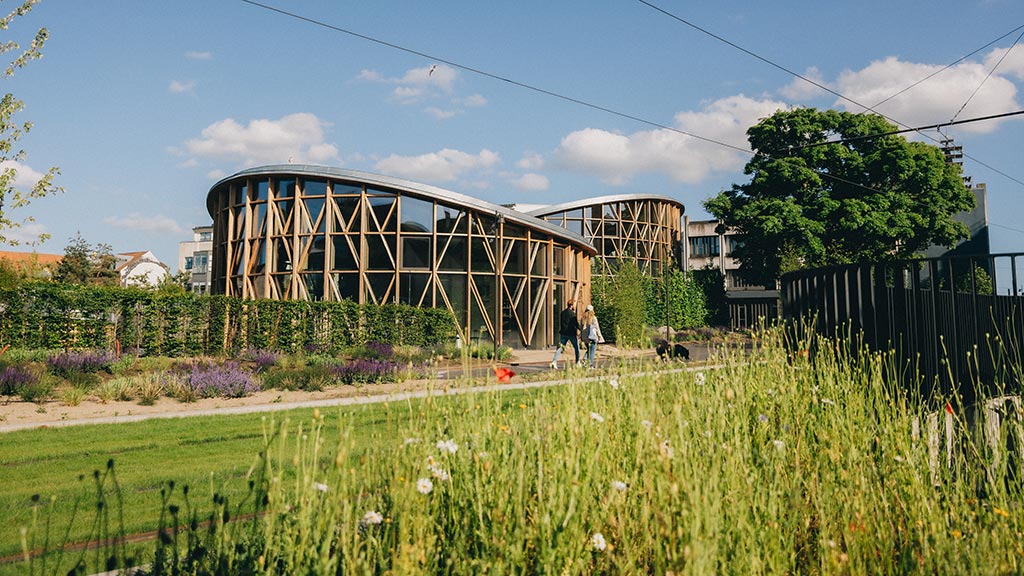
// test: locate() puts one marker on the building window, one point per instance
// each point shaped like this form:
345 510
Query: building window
188 262
202 262
704 246
206 236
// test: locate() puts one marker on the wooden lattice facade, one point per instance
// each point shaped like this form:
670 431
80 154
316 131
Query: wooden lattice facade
647 228
316 233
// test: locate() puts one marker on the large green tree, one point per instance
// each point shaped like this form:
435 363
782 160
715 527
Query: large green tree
11 197
867 198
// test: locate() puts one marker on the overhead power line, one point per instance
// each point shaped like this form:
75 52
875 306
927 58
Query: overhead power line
826 88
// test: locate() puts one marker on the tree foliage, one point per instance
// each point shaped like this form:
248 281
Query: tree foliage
869 198
85 264
13 198
618 294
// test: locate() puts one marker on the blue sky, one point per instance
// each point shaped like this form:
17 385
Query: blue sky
143 105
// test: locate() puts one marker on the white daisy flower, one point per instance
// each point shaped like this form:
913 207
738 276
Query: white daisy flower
597 542
448 445
439 473
409 441
371 517
779 445
596 417
619 485
320 486
614 383
424 486
699 378
828 402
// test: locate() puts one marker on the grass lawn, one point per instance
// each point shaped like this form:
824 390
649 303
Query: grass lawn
209 454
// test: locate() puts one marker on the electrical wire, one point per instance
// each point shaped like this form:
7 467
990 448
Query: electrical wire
987 76
826 88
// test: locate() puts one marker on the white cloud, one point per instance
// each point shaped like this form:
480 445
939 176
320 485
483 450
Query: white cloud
197 55
135 221
800 90
25 178
216 175
615 158
28 233
1012 65
531 161
299 137
933 101
440 114
531 181
178 87
443 166
473 101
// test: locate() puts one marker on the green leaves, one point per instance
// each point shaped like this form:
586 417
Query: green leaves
866 198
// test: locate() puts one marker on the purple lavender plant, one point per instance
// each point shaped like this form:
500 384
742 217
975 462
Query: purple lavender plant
263 359
14 379
378 351
228 380
366 371
82 362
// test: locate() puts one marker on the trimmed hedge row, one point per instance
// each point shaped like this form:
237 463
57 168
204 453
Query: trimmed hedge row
59 316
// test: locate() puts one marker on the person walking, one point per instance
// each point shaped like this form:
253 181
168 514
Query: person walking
568 332
591 330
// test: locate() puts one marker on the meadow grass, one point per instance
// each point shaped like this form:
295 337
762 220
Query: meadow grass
771 464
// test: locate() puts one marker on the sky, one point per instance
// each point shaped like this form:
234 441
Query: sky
144 105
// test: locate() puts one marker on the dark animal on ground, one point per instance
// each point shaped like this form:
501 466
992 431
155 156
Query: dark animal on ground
666 351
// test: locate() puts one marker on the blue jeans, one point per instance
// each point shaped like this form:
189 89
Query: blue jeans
591 352
562 339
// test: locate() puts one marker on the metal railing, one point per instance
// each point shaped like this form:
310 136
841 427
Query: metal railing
952 324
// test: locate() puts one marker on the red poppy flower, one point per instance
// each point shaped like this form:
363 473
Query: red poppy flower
949 409
503 374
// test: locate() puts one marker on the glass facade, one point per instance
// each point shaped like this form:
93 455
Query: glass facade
306 233
645 228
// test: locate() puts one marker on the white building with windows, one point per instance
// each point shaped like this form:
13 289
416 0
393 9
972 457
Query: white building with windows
194 259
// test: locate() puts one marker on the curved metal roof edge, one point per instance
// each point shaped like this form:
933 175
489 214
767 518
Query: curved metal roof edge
566 206
427 190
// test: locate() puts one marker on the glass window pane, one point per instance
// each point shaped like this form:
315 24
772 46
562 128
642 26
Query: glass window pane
382 209
451 220
348 285
314 285
285 188
454 257
315 256
314 188
342 189
540 262
347 207
417 215
379 252
411 288
516 250
344 258
416 252
454 288
480 260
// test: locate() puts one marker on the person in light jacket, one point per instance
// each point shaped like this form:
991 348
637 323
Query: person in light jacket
591 330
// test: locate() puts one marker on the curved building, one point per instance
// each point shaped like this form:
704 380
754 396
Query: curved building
646 227
302 232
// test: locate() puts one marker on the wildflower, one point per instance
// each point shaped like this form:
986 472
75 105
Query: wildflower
699 378
448 445
424 486
614 383
828 402
597 542
320 486
647 424
779 445
596 417
665 450
440 473
898 458
409 441
619 485
371 518
762 418
1000 512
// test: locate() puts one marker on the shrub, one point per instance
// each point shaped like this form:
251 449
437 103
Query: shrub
377 351
13 379
118 389
307 378
487 351
228 380
72 396
366 371
263 359
149 389
65 364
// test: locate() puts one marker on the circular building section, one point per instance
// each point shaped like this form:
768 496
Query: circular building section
295 232
648 228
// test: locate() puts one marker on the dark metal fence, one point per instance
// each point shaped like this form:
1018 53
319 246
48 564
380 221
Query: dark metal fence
951 323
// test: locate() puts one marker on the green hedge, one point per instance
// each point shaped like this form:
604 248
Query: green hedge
59 316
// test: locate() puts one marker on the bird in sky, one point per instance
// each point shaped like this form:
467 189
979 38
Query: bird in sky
432 68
